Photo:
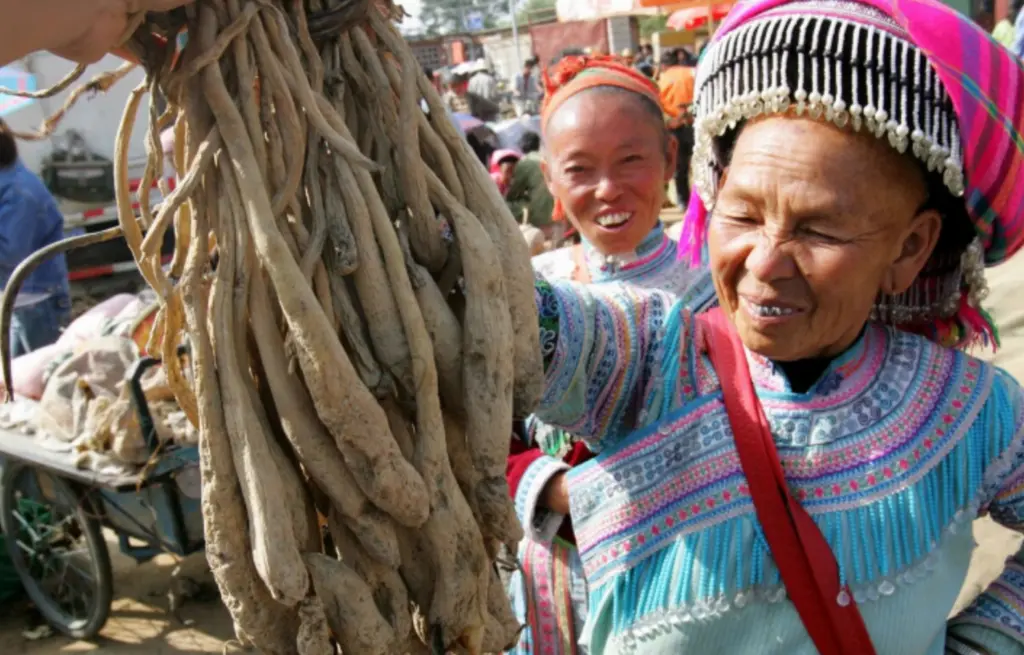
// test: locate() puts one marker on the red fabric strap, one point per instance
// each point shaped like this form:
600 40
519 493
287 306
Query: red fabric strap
805 559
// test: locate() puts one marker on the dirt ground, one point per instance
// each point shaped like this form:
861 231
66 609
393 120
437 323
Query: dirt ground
141 625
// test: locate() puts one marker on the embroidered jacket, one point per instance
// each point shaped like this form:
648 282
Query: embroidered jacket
550 594
894 451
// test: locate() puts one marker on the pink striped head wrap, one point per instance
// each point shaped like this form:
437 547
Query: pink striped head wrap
914 72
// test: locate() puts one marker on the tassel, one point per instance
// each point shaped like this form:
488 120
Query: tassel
558 211
695 226
983 330
971 326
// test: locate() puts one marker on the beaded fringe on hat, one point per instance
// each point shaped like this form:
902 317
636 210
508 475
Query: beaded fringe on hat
849 64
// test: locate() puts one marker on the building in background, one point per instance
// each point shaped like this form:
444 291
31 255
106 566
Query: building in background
430 53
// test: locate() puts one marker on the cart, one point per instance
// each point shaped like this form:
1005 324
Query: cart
53 513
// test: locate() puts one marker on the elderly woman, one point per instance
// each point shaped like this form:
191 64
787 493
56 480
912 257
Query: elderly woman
798 471
607 157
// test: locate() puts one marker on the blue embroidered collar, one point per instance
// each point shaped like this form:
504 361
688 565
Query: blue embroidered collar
769 376
651 255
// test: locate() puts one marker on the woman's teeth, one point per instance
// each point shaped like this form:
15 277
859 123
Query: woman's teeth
613 220
769 310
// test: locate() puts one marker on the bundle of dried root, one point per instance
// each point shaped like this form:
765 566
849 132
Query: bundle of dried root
352 357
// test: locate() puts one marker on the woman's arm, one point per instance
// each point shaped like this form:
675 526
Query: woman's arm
993 623
601 349
529 474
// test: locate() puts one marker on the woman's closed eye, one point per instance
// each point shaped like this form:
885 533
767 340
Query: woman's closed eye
740 220
821 236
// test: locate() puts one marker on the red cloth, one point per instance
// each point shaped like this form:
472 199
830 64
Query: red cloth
800 550
522 456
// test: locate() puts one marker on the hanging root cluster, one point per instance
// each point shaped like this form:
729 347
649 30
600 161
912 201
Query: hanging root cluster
355 364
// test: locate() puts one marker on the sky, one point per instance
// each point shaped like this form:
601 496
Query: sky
412 7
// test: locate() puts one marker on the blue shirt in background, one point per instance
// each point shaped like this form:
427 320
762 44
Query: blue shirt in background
30 220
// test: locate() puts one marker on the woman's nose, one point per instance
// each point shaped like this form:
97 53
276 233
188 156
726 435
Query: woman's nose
770 259
608 189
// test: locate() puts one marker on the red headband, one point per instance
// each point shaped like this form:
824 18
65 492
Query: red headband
579 72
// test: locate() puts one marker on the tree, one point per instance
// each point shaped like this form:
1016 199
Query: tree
442 17
533 11
652 24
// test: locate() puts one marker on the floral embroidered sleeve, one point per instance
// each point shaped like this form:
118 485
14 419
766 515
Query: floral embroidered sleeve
600 347
994 623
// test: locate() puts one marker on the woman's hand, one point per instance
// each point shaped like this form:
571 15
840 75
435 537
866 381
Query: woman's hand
104 23
555 496
80 30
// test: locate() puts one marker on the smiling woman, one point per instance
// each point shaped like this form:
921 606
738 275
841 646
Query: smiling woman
809 225
606 158
797 471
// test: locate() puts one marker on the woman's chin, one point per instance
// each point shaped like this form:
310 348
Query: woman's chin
779 344
617 241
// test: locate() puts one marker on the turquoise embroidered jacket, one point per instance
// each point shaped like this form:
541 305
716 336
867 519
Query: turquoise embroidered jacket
894 451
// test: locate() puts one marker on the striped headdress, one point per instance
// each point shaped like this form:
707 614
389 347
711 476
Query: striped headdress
913 72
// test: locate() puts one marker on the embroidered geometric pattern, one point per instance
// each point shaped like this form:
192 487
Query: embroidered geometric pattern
550 566
898 445
653 266
1002 608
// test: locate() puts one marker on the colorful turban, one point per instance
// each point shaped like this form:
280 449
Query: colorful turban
914 72
578 73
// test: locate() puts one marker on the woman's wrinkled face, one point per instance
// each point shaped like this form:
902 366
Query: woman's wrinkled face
811 223
607 160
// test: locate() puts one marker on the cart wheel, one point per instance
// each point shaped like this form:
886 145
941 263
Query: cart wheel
57 548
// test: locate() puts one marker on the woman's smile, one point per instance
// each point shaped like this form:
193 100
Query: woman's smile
614 221
769 313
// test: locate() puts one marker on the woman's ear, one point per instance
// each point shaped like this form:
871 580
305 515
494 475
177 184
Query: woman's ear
545 168
916 247
671 155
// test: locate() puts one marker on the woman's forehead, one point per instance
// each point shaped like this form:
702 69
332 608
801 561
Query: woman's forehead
823 148
817 165
599 118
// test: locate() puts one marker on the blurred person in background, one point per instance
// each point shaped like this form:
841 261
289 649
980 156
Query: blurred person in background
646 54
685 58
30 220
503 166
454 97
676 83
79 30
985 16
526 90
1018 26
1004 31
482 82
528 193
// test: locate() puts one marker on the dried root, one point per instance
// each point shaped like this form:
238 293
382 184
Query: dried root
334 356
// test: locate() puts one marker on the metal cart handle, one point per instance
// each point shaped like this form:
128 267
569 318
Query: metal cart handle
139 401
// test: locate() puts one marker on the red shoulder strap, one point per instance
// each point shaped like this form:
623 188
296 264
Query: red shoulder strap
803 555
